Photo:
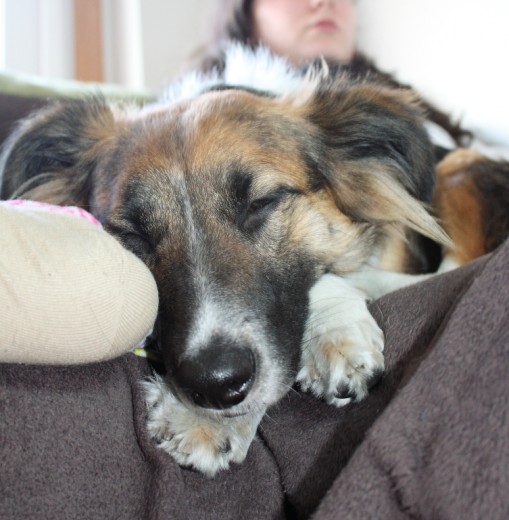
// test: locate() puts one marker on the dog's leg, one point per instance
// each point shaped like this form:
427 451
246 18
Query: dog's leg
196 439
376 282
342 347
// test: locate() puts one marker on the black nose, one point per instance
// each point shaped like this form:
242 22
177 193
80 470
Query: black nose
219 376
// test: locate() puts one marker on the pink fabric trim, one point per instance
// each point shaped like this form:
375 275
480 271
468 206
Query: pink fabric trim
51 208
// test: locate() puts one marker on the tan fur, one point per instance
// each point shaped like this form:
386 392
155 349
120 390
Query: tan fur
458 206
201 139
394 252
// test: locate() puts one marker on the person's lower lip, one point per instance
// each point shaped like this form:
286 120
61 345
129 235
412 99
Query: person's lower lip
326 26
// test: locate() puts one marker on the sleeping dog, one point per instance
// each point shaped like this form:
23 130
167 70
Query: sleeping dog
252 195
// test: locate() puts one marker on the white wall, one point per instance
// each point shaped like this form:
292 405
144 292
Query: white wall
122 32
172 30
454 51
38 37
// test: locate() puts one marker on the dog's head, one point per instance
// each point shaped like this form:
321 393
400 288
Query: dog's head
238 201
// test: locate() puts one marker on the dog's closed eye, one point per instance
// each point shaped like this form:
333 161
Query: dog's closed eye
136 242
260 209
257 212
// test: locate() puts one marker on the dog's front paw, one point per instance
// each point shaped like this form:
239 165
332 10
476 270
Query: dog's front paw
342 348
195 440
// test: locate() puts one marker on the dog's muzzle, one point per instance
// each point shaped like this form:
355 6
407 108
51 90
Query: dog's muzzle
219 376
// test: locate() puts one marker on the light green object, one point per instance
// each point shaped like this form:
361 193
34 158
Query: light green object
20 84
148 354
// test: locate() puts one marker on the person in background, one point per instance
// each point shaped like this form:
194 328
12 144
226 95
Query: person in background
303 31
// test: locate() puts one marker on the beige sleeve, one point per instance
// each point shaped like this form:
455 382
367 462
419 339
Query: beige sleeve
69 292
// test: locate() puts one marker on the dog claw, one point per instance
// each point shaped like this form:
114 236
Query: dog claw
344 392
194 441
226 447
342 352
375 378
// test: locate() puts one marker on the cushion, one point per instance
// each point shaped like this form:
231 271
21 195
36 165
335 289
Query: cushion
70 292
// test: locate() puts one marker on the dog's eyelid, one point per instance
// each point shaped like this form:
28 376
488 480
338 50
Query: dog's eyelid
275 195
129 233
121 229
261 207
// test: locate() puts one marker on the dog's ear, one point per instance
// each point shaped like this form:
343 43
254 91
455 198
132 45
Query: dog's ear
52 154
374 153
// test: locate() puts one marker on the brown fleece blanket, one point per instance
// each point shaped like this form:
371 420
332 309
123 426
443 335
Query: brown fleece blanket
431 441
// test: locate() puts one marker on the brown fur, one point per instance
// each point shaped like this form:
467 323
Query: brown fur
252 195
472 202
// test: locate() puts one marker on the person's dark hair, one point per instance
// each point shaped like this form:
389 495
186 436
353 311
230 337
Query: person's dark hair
234 22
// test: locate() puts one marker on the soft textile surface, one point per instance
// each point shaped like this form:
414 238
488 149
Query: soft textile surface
19 84
431 441
69 292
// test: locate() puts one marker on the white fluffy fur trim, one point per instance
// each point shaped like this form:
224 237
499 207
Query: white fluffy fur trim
255 69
